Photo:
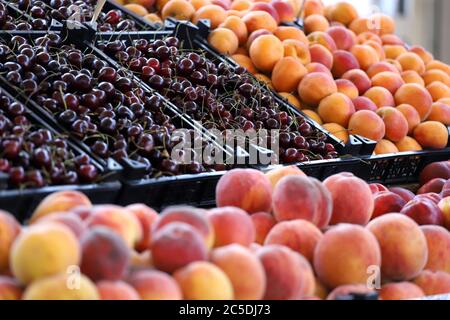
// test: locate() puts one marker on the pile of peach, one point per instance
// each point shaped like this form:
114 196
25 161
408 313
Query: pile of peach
279 235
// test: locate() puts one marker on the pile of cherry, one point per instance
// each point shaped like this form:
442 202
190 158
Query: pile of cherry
102 106
43 11
217 94
34 157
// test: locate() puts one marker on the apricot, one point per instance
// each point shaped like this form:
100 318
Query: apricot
360 25
323 39
380 67
432 135
392 39
395 123
438 239
224 40
116 290
55 287
381 96
344 255
426 56
349 289
438 90
318 67
294 280
239 28
249 190
197 4
411 61
265 51
344 13
394 51
348 88
284 9
244 61
403 246
277 174
401 291
316 86
244 270
320 54
313 7
155 285
264 80
411 76
62 201
364 37
385 147
440 112
298 197
252 36
9 230
382 24
411 115
241 5
214 13
389 80
291 99
338 131
431 76
438 65
336 108
433 283
359 79
387 202
396 64
299 235
287 73
367 124
146 217
366 55
256 20
416 96
153 18
313 115
178 9
343 61
378 49
136 8
290 33
363 103
342 37
315 22
298 50
204 281
10 289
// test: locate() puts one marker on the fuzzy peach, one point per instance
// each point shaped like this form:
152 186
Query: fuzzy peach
438 239
155 285
146 217
263 223
387 202
433 283
401 291
322 55
9 230
116 290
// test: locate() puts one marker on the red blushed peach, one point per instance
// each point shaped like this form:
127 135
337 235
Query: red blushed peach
192 216
352 199
146 216
377 187
248 189
431 135
432 186
70 220
323 39
155 285
343 61
297 197
392 39
444 205
263 223
359 79
438 240
367 124
295 279
349 289
406 195
284 9
387 202
445 190
176 245
395 123
435 170
244 270
366 55
381 67
401 291
403 246
348 88
382 97
231 225
389 80
411 115
363 103
10 289
116 290
433 283
316 86
344 255
277 174
342 37
299 235
322 55
261 6
9 230
424 212
433 197
411 76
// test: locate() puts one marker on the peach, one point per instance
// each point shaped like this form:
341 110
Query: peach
411 115
405 194
256 20
336 108
444 205
438 65
438 240
416 96
58 250
422 53
298 50
290 33
432 135
116 290
9 230
244 270
244 61
204 281
239 28
320 54
338 131
359 79
314 67
313 115
344 255
56 287
284 9
403 246
440 112
343 61
298 197
349 289
394 51
392 39
178 9
387 202
295 279
62 201
411 61
367 124
287 66
118 219
277 174
69 219
423 211
385 147
299 235
344 13
248 189
352 199
214 13
366 55
380 67
433 283
389 80
433 197
435 170
401 291
263 223
265 51
105 255
176 245
438 90
377 188
316 86
313 7
395 123
224 40
381 96
137 9
323 39
9 289
146 217
315 22
155 285
436 75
